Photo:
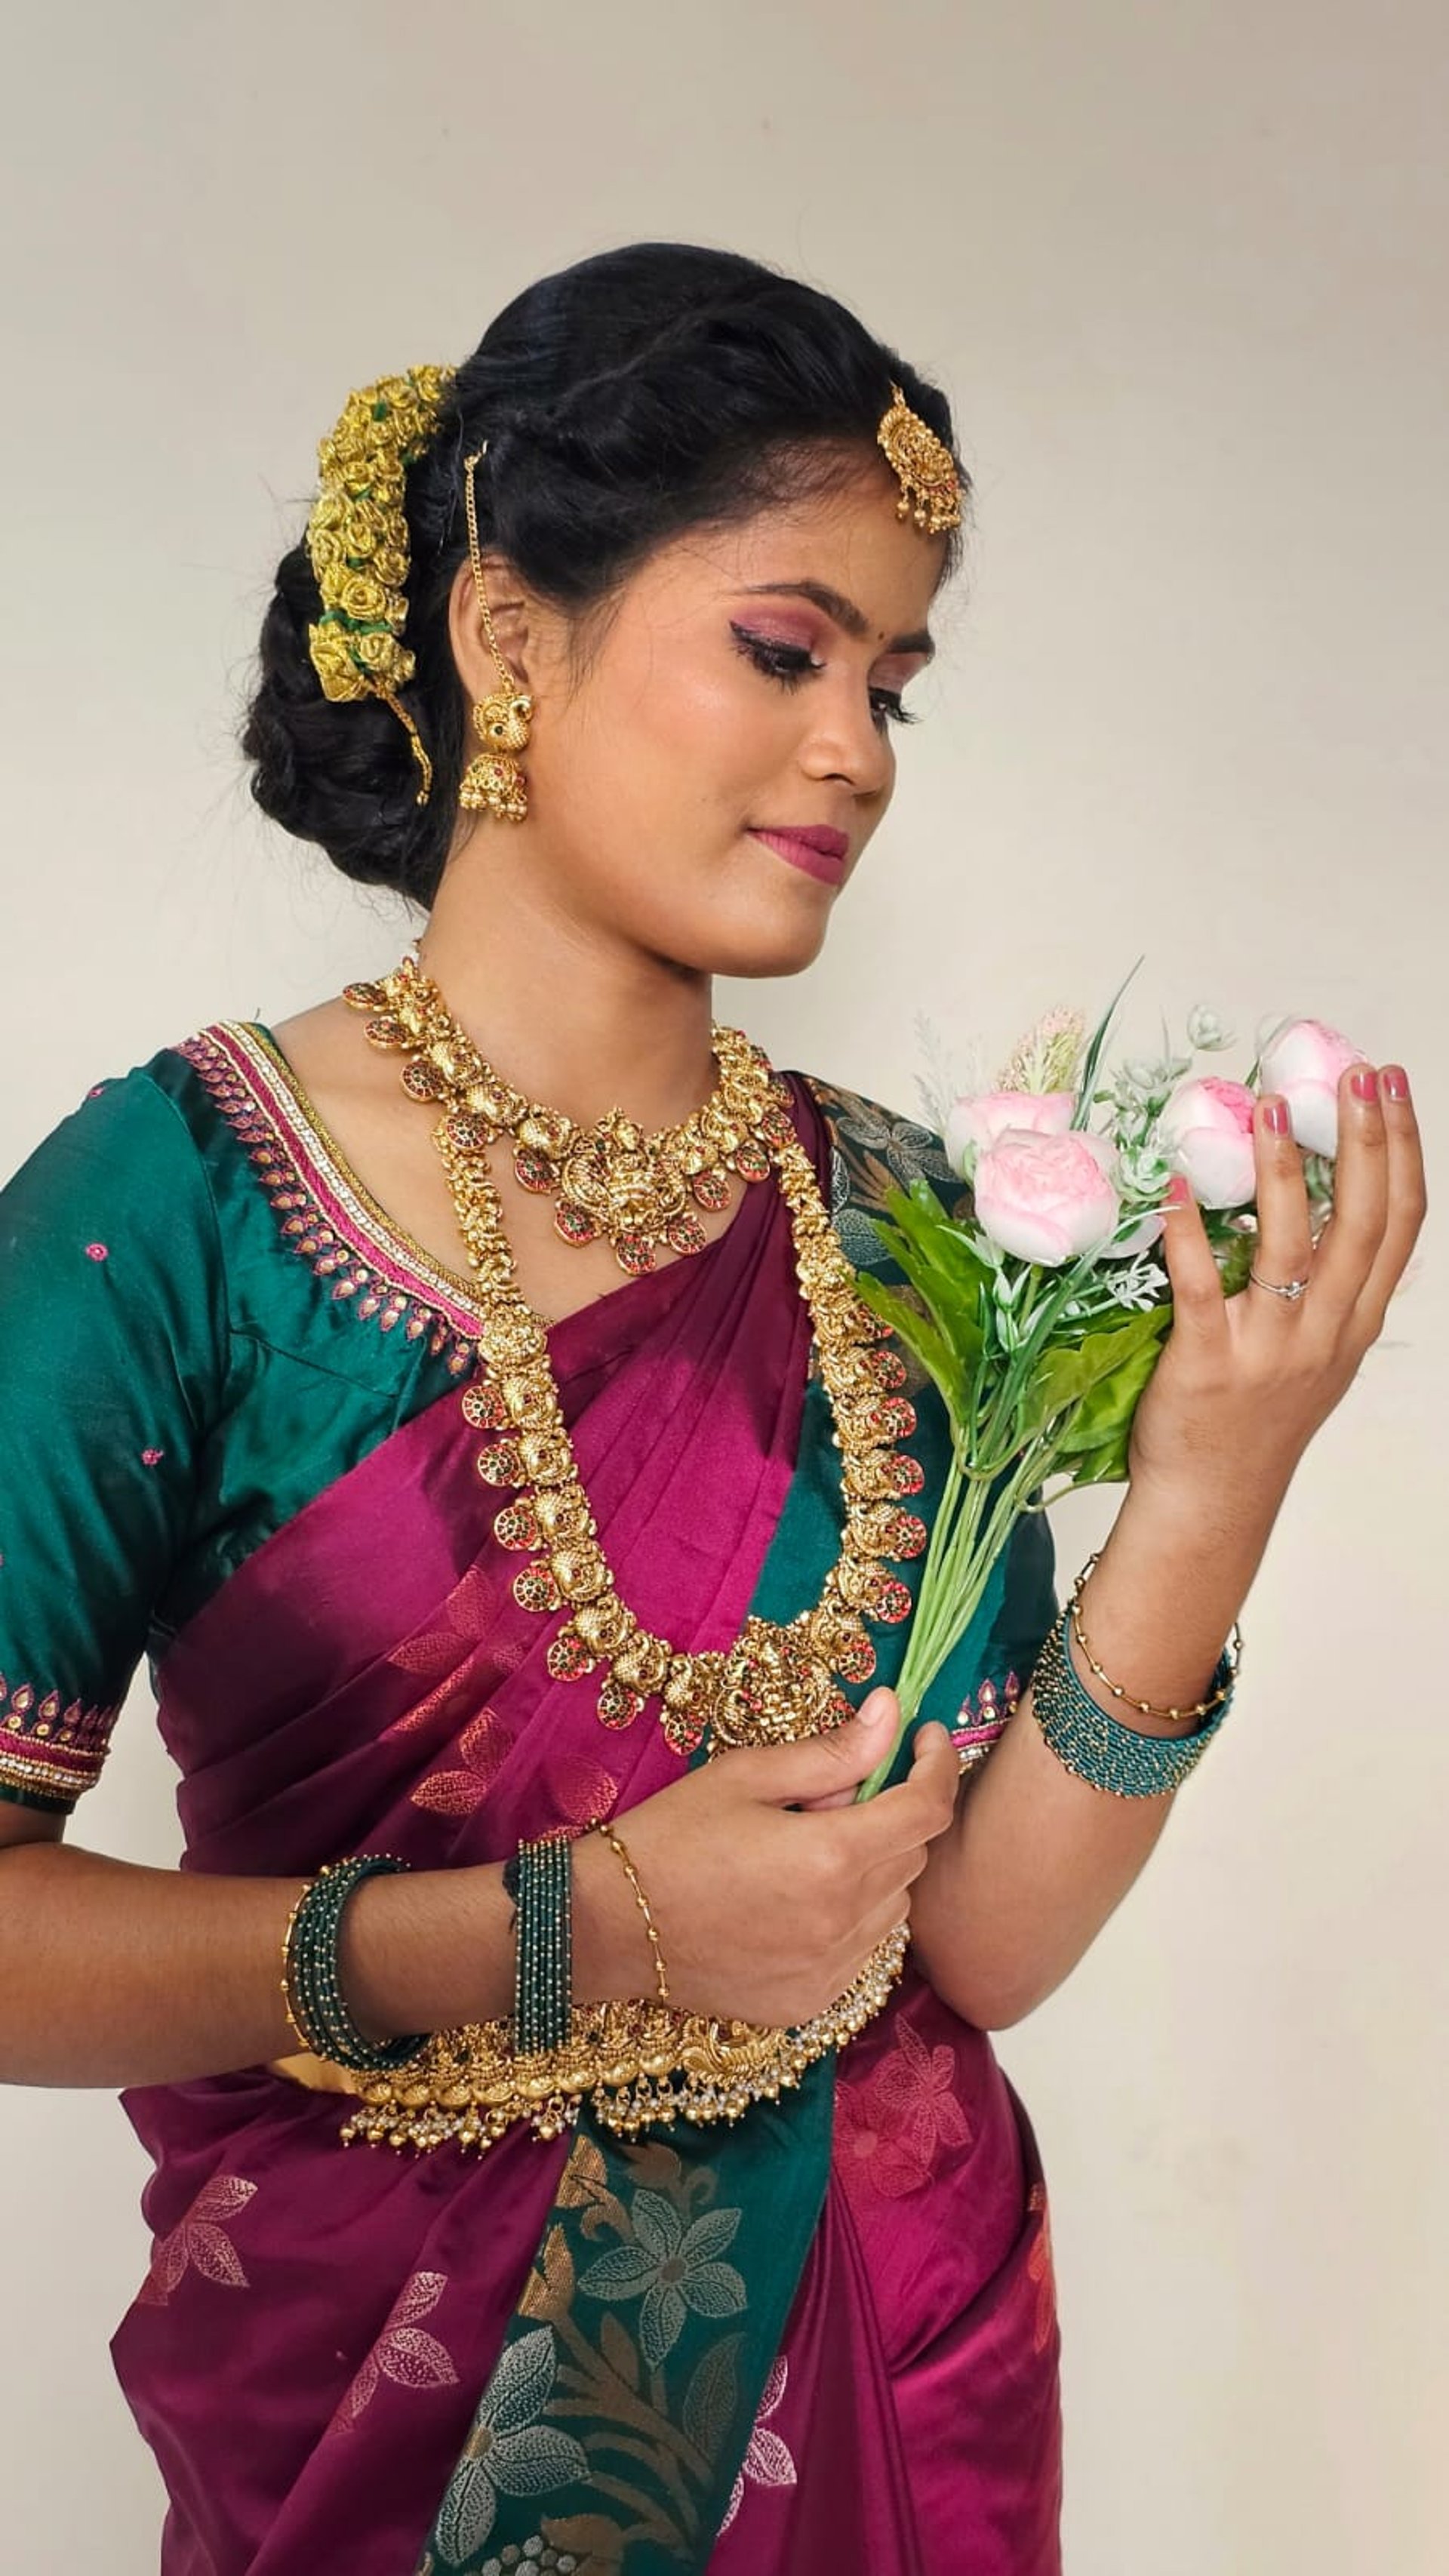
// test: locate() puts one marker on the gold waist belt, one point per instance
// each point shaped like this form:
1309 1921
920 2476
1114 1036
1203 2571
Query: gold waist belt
635 2065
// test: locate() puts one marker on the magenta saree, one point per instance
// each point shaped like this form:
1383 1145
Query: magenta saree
338 2357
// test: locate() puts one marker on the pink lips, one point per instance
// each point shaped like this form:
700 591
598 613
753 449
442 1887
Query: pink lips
813 847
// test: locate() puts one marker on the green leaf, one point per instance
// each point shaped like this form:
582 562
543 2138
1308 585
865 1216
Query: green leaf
936 1260
920 1333
1236 1263
1094 1444
1102 1377
922 1235
1081 1115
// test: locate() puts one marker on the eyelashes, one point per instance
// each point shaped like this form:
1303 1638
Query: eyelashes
791 663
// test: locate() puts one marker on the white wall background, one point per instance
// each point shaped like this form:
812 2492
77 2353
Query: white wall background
1182 269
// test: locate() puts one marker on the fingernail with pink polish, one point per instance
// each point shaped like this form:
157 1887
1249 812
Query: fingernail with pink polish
1275 1117
1364 1082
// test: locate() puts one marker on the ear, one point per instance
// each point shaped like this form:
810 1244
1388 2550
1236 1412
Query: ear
514 623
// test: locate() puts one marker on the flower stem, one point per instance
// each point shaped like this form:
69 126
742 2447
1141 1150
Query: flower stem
968 1535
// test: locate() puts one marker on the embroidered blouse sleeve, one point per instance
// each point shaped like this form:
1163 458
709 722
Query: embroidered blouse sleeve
113 1335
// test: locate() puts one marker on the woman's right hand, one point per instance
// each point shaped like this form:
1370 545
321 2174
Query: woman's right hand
767 1886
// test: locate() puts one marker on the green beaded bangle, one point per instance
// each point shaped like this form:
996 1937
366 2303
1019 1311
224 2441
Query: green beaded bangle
1120 1759
543 1974
311 1985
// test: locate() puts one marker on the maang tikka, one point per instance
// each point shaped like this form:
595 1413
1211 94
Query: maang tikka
493 782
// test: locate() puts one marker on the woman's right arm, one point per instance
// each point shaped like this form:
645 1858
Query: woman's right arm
112 1974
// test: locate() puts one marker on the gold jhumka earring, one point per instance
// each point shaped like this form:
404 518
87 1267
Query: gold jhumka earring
493 782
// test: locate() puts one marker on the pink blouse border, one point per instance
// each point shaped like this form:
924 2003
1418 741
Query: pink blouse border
50 1753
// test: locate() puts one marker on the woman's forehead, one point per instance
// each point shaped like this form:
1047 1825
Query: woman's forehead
847 556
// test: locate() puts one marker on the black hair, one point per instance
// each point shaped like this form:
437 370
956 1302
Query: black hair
639 393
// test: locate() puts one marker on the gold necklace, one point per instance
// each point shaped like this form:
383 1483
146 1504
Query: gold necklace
611 1179
778 1682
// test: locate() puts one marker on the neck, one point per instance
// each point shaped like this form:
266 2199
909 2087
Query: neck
567 1012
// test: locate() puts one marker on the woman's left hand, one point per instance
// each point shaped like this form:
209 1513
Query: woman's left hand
1244 1382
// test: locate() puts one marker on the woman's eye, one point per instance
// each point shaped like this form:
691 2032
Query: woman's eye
791 663
787 662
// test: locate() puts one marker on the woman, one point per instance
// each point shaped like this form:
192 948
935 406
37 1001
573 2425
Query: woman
663 552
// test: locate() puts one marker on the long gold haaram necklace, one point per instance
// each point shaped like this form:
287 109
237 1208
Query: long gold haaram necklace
778 1682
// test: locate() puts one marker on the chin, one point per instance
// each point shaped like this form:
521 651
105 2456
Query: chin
743 931
756 949
776 933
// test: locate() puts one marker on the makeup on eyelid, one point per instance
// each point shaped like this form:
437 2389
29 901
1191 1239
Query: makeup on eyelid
791 659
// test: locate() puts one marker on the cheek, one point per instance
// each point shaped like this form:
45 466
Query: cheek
679 735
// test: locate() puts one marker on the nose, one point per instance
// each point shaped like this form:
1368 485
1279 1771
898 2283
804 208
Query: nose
845 742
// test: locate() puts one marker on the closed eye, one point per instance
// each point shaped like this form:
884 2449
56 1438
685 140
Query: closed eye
791 663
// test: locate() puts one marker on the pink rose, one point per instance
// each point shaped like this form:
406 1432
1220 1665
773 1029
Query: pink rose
1047 1198
1304 1062
979 1119
1206 1131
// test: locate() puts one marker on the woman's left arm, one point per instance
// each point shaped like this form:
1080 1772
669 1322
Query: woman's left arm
1017 1890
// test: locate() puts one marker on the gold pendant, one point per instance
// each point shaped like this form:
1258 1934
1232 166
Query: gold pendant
613 1182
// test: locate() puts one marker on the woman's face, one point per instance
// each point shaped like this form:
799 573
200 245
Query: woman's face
747 682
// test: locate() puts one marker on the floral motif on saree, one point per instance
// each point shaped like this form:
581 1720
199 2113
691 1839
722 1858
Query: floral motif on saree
655 2344
200 2243
405 2352
767 2462
875 1151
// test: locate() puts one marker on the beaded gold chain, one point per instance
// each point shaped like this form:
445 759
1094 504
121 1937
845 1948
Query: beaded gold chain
777 1683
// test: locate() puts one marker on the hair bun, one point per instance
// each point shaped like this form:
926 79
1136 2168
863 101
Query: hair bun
342 776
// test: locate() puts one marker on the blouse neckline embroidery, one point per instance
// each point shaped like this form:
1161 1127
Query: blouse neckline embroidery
326 1213
383 1230
330 1218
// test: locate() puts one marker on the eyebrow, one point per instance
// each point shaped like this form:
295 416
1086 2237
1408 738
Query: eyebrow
843 610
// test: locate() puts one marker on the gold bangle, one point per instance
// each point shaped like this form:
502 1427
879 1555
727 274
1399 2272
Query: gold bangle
1233 1652
304 2036
661 1979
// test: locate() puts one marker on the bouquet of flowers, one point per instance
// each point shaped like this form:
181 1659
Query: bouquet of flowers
1042 1318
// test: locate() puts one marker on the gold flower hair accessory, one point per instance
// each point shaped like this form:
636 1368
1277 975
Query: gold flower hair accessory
926 470
357 539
